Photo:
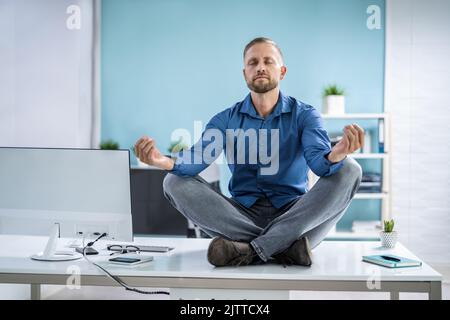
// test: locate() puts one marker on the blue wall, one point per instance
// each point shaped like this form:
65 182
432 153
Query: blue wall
166 64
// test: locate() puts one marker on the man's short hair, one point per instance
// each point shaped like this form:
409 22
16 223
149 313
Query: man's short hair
262 40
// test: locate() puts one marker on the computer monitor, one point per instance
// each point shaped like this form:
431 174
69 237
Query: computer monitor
86 191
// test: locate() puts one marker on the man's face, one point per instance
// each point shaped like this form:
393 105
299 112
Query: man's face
263 68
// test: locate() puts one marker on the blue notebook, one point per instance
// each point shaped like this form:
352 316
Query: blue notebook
392 261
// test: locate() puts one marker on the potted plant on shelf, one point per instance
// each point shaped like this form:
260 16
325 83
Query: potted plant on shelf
177 146
388 235
333 100
109 145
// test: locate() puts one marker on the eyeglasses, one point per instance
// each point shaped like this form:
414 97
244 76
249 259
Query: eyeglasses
122 249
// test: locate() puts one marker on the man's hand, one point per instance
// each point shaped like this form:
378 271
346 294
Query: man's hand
352 140
147 152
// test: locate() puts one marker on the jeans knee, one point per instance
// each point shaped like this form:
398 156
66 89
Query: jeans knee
176 187
351 170
169 183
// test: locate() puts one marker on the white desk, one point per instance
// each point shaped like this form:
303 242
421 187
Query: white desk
337 267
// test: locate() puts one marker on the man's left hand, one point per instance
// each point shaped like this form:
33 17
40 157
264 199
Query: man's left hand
352 140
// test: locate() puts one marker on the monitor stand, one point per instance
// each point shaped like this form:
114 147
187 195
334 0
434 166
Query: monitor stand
50 253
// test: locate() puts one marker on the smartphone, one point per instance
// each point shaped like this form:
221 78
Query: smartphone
124 260
132 260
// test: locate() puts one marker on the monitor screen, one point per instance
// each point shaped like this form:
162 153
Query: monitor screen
85 190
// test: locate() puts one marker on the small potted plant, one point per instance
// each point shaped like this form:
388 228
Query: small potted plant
388 235
177 146
333 100
109 145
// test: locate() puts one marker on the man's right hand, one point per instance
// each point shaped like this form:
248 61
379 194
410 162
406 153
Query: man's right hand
147 152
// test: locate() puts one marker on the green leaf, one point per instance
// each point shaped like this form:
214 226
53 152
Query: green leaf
177 146
333 90
389 225
109 145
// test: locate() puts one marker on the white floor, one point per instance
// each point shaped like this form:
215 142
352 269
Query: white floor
116 293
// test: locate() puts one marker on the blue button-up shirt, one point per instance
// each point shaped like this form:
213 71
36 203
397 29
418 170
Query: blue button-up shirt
303 144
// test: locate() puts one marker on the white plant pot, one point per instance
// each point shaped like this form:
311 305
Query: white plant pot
388 239
334 105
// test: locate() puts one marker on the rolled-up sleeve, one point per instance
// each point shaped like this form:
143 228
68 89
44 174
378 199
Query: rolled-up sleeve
199 156
316 145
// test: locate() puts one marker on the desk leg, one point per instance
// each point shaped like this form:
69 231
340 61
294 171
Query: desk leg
35 291
435 290
395 295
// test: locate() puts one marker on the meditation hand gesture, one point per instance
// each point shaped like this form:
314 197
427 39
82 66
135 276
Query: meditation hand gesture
352 140
147 152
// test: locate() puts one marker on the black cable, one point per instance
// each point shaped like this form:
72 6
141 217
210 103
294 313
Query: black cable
115 278
90 244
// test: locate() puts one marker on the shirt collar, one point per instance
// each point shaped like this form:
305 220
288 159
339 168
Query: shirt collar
282 106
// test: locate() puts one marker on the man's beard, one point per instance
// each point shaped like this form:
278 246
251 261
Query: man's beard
262 87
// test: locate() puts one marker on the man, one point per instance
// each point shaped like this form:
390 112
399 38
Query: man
270 216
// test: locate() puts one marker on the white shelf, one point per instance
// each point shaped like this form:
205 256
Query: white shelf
368 155
355 116
383 120
361 195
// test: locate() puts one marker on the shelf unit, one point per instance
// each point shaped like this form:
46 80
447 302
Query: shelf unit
385 195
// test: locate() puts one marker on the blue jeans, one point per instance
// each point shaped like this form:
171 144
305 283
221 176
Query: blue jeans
269 230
